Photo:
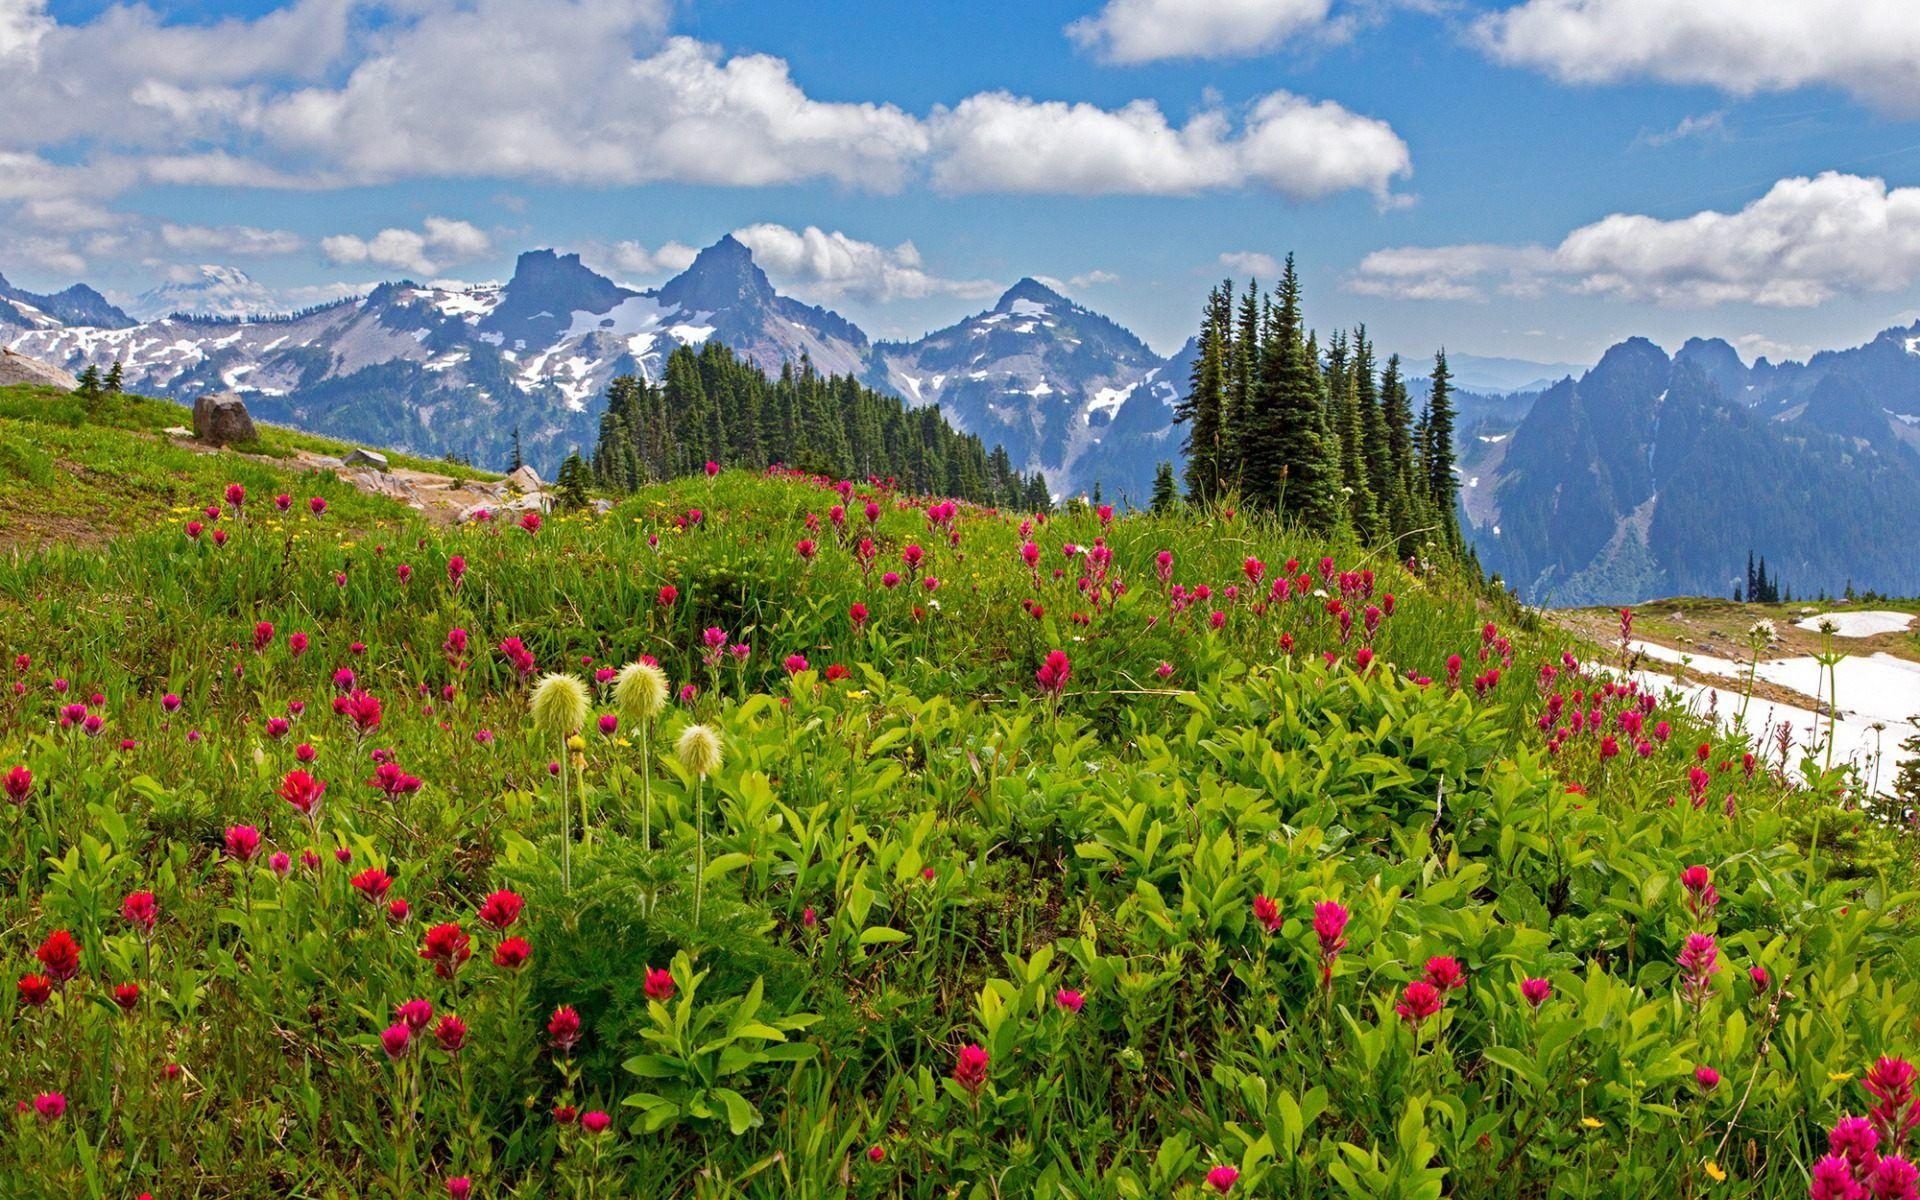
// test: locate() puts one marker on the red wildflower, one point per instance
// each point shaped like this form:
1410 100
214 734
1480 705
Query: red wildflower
1535 991
1444 973
416 1013
451 1033
302 791
564 1028
659 984
1053 673
35 990
140 908
970 1069
243 842
373 883
1420 1001
19 785
1267 913
395 1039
512 953
1222 1179
60 955
446 946
501 909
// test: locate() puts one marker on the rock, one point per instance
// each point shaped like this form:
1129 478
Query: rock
526 479
602 507
366 458
221 419
18 368
531 502
177 431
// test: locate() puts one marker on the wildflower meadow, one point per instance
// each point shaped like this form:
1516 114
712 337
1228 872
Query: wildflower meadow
777 836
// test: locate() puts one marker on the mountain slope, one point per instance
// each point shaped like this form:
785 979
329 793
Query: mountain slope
1645 478
77 305
1064 389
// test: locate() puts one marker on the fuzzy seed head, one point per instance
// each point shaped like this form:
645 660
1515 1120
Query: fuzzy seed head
641 692
698 750
559 704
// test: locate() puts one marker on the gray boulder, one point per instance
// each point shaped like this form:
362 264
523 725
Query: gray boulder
366 458
18 368
526 479
221 419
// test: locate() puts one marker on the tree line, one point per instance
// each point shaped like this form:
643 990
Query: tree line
712 405
1327 438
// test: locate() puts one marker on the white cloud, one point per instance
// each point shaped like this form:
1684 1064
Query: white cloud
563 99
1758 345
1707 125
829 265
439 243
243 241
1870 48
635 261
1299 148
1137 31
1252 262
1093 278
1802 243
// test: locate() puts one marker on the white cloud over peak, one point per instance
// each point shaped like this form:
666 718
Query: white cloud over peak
829 265
633 260
1804 242
243 241
1138 31
439 243
1869 48
1299 148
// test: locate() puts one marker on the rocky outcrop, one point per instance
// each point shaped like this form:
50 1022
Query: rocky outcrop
221 419
18 368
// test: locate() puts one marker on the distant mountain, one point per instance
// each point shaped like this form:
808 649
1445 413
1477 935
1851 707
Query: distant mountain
1064 389
1653 476
211 291
78 305
457 368
1495 376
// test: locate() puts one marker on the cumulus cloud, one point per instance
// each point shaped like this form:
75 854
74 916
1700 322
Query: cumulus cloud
1299 148
635 261
439 243
829 265
1802 243
1870 48
1251 262
1137 31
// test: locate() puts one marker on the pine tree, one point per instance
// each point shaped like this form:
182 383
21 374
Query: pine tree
1373 435
1164 495
1397 412
1203 409
1283 452
1443 487
1243 385
570 486
116 378
1351 431
518 461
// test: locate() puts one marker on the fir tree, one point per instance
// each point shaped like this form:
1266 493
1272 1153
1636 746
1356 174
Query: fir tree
1243 385
116 378
1283 453
1397 412
1443 488
518 461
1164 495
1203 409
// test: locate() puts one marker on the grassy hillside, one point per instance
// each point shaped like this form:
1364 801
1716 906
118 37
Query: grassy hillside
67 473
1120 871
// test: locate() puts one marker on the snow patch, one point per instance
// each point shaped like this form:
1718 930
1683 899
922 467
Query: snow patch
1027 308
1109 400
1495 439
1860 624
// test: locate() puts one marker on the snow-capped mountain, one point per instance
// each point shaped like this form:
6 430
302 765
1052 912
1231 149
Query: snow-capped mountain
1064 389
442 368
207 290
78 305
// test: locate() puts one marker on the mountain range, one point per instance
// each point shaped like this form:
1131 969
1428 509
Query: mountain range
1653 475
1644 475
443 368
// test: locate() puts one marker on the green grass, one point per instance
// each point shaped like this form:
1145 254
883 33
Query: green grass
68 473
908 849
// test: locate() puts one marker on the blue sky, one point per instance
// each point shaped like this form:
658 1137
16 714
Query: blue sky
1531 178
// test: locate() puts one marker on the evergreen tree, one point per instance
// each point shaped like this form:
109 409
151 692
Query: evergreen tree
1243 385
1397 412
518 461
570 486
1283 452
1203 409
89 382
1164 495
1352 431
1443 487
116 378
